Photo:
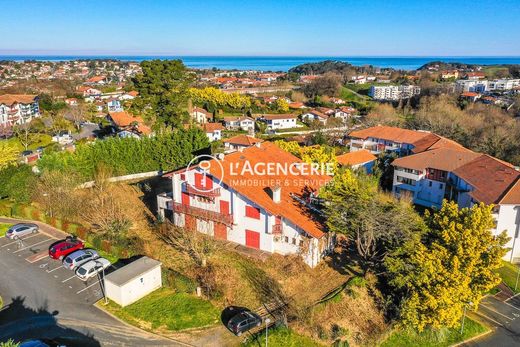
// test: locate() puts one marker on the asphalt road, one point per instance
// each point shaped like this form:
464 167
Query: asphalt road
504 317
44 300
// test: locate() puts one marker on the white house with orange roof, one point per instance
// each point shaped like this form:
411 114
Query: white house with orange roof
213 131
279 121
18 109
268 212
357 160
200 115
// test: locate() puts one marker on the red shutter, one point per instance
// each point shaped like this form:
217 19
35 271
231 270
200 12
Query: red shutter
252 212
198 180
185 199
252 239
209 183
224 207
220 231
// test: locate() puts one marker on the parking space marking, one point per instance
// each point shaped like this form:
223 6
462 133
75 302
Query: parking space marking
495 311
27 247
87 287
56 268
37 257
513 306
10 243
489 318
512 297
71 277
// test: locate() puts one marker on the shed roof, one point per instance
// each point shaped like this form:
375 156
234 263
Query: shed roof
131 271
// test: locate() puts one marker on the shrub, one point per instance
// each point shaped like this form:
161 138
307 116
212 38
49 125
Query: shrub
106 246
82 233
35 214
65 225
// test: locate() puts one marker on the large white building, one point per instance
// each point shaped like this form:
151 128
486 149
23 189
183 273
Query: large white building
481 86
279 121
18 109
394 92
269 212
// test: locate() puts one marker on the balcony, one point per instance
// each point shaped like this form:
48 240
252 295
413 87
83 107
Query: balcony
277 229
203 214
210 194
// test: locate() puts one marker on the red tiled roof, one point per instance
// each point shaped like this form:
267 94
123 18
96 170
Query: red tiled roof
394 134
355 158
491 178
445 159
124 119
434 141
469 94
211 127
512 197
243 140
203 111
96 79
279 116
9 99
133 93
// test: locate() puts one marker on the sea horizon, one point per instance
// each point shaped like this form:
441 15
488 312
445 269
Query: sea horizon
277 63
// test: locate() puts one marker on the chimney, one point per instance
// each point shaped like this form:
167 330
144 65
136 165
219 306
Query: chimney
276 193
258 144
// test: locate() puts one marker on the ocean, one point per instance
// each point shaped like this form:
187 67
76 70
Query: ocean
263 63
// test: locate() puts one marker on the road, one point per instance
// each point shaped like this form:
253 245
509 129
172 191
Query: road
44 300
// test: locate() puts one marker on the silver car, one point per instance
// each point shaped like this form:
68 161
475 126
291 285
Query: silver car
21 229
91 268
79 257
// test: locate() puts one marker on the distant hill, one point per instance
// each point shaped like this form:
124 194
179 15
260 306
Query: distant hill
448 66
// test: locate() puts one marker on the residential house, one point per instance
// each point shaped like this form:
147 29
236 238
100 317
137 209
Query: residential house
97 80
18 109
359 159
448 74
268 216
114 105
314 115
279 121
200 115
239 142
129 96
337 101
344 113
88 91
244 123
296 105
128 125
213 131
471 85
471 96
476 75
71 101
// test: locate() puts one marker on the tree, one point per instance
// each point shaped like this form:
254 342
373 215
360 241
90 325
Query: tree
8 154
56 193
450 268
163 88
282 105
24 133
17 182
329 84
78 114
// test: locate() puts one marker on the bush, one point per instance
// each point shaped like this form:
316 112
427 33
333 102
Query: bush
17 183
178 282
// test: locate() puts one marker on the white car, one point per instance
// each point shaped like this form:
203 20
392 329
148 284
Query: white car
79 257
91 268
19 230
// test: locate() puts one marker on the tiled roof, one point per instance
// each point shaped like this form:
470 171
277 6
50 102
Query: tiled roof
512 197
390 134
446 159
288 207
433 141
243 140
124 119
211 127
9 99
356 158
279 116
203 111
96 79
491 178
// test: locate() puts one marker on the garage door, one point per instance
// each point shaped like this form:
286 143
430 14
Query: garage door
220 231
252 239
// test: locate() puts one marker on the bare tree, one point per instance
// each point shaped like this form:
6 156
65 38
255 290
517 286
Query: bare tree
24 133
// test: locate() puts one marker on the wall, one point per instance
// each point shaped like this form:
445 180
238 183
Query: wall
140 286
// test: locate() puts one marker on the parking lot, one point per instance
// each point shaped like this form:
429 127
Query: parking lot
34 248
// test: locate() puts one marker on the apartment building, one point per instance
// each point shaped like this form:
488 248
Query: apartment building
481 86
394 92
18 109
271 213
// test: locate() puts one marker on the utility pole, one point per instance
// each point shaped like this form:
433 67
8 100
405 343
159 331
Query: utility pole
267 321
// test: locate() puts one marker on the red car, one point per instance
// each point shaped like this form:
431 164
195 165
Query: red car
63 248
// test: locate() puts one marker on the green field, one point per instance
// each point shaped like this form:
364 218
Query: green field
508 272
166 309
41 140
282 337
429 338
3 228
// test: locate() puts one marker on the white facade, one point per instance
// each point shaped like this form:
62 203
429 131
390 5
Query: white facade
18 113
393 92
281 123
508 219
214 135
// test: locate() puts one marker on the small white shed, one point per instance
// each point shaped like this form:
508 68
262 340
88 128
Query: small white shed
130 283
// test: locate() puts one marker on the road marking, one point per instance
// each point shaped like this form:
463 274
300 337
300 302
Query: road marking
493 310
37 257
87 287
513 306
488 318
511 297
71 277
10 243
22 249
56 268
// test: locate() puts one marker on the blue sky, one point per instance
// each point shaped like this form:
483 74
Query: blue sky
315 28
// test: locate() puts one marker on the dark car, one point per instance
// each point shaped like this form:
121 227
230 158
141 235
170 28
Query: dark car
243 321
63 248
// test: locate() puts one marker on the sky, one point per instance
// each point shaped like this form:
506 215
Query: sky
264 27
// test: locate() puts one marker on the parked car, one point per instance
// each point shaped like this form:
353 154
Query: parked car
21 229
243 321
63 248
77 258
91 268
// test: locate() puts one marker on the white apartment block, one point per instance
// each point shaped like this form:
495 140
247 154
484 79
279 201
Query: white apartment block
18 109
481 86
394 92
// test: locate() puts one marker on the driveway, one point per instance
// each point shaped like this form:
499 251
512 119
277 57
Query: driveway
44 300
503 314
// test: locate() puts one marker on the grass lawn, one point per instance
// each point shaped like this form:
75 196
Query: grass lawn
282 337
41 140
429 338
508 273
165 308
3 228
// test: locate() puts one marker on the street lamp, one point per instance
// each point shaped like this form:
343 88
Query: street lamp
464 316
102 280
517 276
267 321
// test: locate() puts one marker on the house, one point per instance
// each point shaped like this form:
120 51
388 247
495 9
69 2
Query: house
296 105
244 123
88 91
128 125
63 138
471 96
359 79
18 109
71 101
337 101
279 121
274 215
314 115
97 80
213 131
358 159
200 115
477 75
468 178
129 96
133 281
344 113
114 105
448 74
380 139
238 142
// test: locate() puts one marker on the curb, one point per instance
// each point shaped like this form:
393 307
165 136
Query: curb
135 327
39 223
474 338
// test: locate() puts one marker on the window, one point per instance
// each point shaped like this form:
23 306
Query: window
252 212
405 180
429 183
301 243
286 239
441 186
293 241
